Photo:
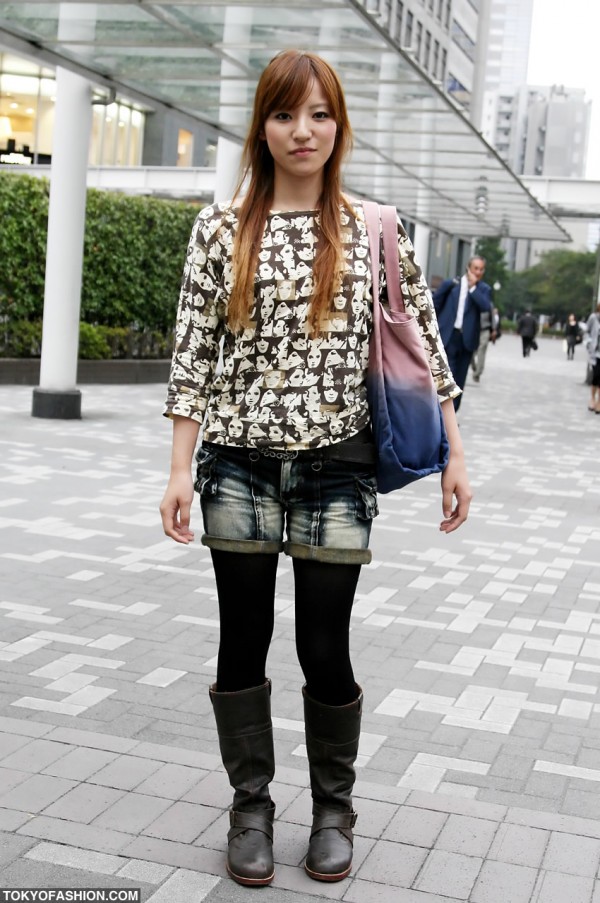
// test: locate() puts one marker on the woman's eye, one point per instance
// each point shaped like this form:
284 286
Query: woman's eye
322 114
282 116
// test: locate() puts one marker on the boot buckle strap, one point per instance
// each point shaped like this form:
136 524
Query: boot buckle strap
261 820
343 821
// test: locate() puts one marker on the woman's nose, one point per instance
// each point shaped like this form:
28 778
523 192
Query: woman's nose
302 128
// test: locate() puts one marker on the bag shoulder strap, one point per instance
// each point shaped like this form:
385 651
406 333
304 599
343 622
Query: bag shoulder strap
387 216
371 211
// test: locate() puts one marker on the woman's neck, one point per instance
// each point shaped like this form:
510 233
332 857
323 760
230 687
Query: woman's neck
297 194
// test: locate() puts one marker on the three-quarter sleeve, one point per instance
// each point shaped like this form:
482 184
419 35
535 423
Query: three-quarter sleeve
199 324
419 303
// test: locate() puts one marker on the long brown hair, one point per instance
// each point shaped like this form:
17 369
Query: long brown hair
284 84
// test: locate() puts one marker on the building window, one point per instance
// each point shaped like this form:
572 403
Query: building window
448 14
440 10
427 50
185 148
458 91
462 40
443 66
408 31
419 41
399 17
117 134
27 104
436 57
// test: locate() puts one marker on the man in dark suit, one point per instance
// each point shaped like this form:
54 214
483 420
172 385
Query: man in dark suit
459 304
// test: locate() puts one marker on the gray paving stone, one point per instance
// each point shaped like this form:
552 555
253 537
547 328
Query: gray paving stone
92 739
572 855
584 803
373 817
519 845
58 854
148 872
171 781
9 743
449 873
500 882
23 726
11 847
81 763
399 862
10 778
472 808
182 822
84 803
35 793
10 820
180 855
36 755
75 834
418 827
467 835
367 892
125 772
566 824
132 813
553 887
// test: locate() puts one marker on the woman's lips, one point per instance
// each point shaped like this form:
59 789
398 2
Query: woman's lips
303 152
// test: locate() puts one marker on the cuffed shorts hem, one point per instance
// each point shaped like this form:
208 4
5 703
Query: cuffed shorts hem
247 546
327 554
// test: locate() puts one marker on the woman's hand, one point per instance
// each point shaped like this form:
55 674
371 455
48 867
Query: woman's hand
179 494
176 506
455 482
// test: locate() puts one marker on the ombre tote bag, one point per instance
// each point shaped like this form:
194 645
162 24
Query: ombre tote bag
406 417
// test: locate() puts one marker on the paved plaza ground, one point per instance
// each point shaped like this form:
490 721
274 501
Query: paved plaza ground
479 655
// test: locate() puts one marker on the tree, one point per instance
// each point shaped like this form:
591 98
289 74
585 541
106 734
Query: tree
561 283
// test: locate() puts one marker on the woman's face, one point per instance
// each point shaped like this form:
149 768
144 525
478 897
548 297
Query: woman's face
301 140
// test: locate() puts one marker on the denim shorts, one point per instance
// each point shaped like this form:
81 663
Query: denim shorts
311 506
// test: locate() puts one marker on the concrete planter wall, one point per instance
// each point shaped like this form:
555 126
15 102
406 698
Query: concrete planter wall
26 371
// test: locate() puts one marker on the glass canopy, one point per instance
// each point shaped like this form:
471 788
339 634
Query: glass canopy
413 147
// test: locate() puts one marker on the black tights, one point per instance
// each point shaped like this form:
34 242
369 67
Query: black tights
324 594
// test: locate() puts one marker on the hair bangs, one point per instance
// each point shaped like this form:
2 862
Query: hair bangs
288 83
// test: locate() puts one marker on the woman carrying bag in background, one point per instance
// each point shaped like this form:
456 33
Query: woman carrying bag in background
287 459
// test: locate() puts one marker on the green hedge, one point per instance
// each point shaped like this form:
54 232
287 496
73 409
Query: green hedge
134 250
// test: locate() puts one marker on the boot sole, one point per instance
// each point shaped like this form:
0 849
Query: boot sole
250 882
318 876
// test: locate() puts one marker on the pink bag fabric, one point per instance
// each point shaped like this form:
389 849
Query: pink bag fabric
406 417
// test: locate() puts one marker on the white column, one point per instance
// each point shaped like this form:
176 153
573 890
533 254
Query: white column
421 246
233 98
229 155
57 395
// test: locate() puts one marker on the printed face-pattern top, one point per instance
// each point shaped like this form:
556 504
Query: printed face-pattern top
271 384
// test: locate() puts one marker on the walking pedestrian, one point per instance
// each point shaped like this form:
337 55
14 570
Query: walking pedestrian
286 461
572 336
527 328
459 304
488 332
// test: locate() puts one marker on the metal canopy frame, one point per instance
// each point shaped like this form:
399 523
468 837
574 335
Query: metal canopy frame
414 147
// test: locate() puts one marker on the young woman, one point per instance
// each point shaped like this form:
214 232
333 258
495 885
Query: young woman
281 278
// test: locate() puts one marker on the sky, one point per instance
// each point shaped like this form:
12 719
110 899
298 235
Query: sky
564 51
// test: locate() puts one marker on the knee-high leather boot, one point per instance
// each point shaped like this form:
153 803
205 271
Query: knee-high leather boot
332 734
246 742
